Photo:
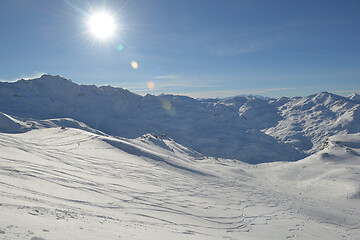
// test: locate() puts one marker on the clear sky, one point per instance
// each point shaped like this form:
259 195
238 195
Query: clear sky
201 48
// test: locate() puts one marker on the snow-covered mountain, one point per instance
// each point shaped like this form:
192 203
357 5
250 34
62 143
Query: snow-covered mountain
211 129
306 122
355 97
249 129
302 122
87 162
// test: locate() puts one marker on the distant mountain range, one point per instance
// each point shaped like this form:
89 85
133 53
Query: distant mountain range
248 128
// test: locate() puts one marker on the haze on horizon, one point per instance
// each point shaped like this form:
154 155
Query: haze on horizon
207 48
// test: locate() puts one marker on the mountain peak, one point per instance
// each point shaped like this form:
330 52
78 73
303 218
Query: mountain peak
46 78
354 97
49 77
325 97
323 94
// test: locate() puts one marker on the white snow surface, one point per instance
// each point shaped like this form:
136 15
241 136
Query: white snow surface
58 183
87 162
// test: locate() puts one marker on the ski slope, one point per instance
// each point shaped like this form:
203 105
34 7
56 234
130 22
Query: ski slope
67 183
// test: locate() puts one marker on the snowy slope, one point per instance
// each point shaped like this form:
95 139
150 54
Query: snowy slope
308 121
213 130
303 123
247 128
331 173
355 97
12 124
74 184
9 124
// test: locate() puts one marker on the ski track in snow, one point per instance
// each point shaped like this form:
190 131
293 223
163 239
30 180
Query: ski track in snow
72 184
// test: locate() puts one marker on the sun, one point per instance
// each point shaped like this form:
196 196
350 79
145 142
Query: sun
102 25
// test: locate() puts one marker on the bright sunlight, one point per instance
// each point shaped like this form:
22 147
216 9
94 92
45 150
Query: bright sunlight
102 25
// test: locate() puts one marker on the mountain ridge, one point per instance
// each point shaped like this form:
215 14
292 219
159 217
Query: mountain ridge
249 129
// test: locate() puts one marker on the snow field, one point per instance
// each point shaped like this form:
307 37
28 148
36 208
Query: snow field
71 184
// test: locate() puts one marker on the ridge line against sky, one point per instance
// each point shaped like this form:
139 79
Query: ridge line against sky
206 48
213 94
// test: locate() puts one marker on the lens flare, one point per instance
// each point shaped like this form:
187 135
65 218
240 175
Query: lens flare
151 85
166 105
134 65
120 47
172 111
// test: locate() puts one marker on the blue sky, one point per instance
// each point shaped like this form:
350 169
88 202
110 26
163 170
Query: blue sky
201 48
